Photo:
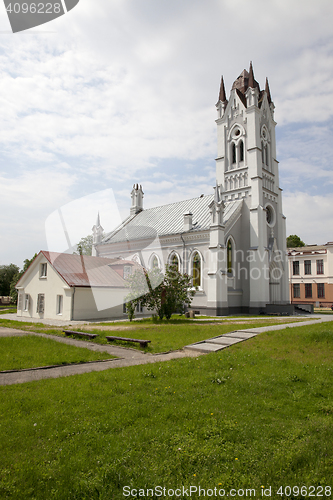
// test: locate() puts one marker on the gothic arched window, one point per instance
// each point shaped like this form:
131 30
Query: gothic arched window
266 155
233 152
196 269
154 262
241 151
174 262
262 152
229 257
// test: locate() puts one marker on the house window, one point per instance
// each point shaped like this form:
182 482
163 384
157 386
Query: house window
43 270
139 307
296 291
124 308
59 304
40 303
229 258
241 151
196 269
321 290
320 266
308 290
26 302
127 271
296 267
307 267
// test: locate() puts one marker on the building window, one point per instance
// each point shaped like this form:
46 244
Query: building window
296 291
233 152
229 258
43 270
307 267
262 152
26 302
19 301
124 308
59 304
174 262
308 290
320 266
40 303
127 271
241 151
154 262
266 155
296 267
139 307
196 269
321 290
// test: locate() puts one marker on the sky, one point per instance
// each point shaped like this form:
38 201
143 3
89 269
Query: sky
118 92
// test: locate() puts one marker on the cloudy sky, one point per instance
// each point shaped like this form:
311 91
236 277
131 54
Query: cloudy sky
123 91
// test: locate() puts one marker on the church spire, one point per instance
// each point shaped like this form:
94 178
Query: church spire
251 77
268 92
217 193
222 96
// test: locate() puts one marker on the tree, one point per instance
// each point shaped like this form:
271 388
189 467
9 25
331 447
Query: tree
6 276
164 294
17 276
84 247
294 241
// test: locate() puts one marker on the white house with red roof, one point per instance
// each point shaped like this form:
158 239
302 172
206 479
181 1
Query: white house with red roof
73 287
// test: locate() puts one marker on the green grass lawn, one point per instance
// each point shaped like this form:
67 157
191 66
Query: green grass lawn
29 351
165 336
259 413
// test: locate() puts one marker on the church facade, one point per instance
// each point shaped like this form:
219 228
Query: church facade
233 241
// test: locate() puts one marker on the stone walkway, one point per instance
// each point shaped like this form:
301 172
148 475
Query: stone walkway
130 357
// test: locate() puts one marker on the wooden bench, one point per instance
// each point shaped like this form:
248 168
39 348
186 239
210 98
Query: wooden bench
143 343
80 334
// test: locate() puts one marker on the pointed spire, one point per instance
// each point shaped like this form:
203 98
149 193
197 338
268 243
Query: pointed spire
222 96
217 194
268 92
98 221
251 77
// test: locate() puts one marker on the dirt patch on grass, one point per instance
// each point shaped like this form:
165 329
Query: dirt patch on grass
106 327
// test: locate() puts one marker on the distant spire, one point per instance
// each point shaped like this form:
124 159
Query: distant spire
222 96
268 92
251 77
217 194
98 221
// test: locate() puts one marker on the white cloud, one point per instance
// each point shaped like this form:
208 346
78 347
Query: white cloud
308 216
123 88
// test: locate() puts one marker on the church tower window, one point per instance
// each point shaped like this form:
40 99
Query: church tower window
196 269
233 152
241 151
262 152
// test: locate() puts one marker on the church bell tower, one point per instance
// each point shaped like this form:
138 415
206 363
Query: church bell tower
247 169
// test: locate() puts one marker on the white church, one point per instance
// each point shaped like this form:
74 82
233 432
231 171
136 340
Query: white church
233 241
